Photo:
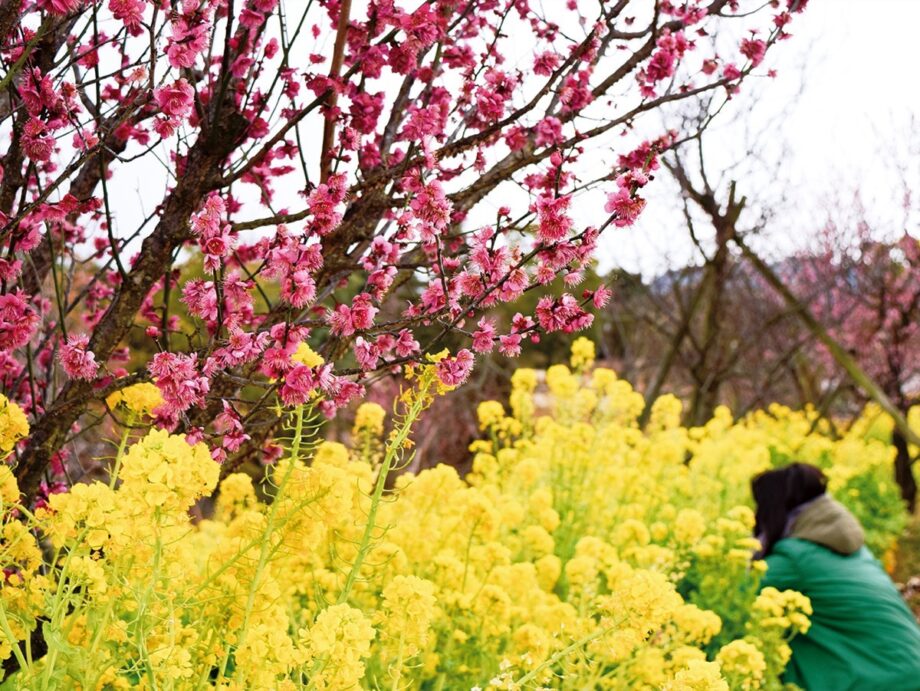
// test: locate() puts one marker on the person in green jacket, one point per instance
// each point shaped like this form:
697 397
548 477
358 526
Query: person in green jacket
863 637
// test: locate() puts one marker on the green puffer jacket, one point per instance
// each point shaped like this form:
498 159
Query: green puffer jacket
863 637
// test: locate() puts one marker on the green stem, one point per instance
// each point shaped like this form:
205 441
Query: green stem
142 607
393 448
559 654
14 644
265 552
445 655
55 620
399 661
113 476
205 668
23 59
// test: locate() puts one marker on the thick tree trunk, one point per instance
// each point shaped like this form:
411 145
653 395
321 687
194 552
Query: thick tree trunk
708 368
202 176
903 470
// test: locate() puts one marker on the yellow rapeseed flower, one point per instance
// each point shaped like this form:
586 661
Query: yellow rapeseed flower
408 608
576 530
305 355
698 675
489 414
583 354
13 425
338 644
369 419
164 470
140 399
743 663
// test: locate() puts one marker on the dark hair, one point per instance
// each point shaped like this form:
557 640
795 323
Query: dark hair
777 492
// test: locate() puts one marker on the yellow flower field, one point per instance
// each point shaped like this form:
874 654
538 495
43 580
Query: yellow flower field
582 552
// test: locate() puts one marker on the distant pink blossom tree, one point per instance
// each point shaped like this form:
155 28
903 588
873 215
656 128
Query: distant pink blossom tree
866 292
316 159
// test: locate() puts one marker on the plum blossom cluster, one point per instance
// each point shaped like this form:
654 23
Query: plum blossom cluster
213 232
307 176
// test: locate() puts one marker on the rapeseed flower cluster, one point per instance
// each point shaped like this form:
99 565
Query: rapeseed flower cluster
140 400
582 551
583 354
13 425
369 418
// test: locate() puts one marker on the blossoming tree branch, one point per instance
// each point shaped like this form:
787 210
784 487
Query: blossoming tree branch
324 165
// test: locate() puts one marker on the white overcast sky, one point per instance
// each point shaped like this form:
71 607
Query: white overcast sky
848 84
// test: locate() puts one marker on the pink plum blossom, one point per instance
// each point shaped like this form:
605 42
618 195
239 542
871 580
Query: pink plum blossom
77 361
453 371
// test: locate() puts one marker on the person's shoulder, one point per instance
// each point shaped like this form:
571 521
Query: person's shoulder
796 549
793 546
810 555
